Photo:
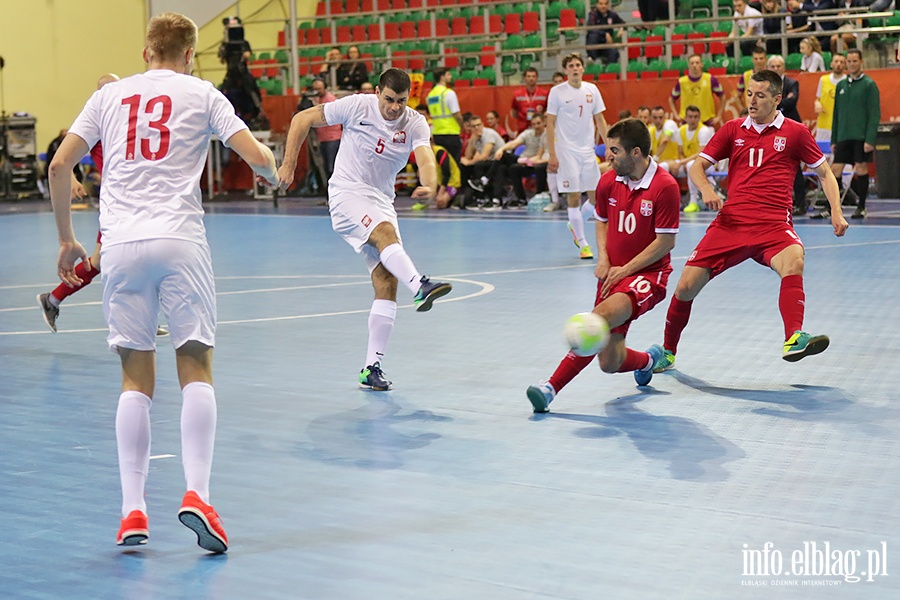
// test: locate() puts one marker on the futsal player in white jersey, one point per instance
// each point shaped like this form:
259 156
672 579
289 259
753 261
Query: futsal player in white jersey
574 108
155 129
379 132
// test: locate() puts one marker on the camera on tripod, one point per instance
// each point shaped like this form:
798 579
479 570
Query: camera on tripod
239 85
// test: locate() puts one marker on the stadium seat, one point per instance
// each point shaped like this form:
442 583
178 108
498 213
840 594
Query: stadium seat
697 47
408 30
416 63
488 56
391 31
343 34
793 61
476 25
459 26
531 22
634 49
718 47
451 58
654 50
399 60
568 18
512 24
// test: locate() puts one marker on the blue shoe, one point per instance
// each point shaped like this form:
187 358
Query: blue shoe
429 291
801 345
372 378
643 376
665 363
541 395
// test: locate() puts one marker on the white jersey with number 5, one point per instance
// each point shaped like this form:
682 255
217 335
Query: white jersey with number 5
373 150
575 109
155 128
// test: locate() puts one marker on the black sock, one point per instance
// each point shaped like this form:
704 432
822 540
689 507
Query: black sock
861 187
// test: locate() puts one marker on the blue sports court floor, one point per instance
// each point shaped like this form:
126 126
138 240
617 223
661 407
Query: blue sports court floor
449 487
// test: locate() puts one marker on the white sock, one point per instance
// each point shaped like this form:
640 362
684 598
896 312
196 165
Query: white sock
53 300
551 186
381 324
577 223
587 211
133 442
198 435
400 265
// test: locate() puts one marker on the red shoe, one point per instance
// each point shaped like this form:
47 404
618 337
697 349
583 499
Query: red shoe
202 519
133 531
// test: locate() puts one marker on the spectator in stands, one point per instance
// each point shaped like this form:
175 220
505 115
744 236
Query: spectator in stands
797 22
700 89
352 73
692 138
663 146
857 111
477 160
367 88
448 179
602 15
332 59
790 95
492 121
528 100
624 114
749 27
443 105
812 58
825 95
512 168
643 115
466 131
814 6
557 78
759 63
846 27
773 26
330 136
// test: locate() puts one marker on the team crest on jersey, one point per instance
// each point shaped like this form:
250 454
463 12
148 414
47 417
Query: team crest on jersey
366 220
565 183
779 143
400 137
612 201
589 98
646 207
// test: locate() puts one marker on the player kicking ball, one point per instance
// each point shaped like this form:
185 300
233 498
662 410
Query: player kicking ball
764 151
638 206
379 132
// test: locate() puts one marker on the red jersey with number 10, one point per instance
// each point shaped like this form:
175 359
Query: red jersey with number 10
634 217
761 168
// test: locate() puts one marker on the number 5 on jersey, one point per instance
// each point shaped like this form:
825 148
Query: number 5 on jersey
134 104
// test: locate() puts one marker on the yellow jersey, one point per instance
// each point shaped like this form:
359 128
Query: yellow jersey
443 121
697 93
671 150
826 99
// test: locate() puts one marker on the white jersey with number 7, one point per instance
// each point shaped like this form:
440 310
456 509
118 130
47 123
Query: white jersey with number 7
575 109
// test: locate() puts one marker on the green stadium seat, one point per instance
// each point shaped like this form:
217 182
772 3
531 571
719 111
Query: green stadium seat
793 61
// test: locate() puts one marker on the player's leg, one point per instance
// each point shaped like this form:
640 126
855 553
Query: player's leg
789 264
589 207
679 313
553 187
50 301
393 256
860 185
381 324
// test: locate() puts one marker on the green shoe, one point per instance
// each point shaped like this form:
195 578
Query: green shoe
692 208
801 345
419 206
665 363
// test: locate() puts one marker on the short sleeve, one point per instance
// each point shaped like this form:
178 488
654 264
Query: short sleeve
451 100
222 120
601 206
87 124
720 145
809 148
599 106
421 135
705 134
553 102
340 112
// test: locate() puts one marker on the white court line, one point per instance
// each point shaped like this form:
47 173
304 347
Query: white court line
162 456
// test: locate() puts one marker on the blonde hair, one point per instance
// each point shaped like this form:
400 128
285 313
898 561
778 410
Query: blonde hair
169 36
813 42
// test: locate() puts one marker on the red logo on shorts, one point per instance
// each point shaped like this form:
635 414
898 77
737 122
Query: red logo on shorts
400 137
366 221
646 207
779 143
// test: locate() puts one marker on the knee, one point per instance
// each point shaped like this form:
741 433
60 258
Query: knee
795 267
609 363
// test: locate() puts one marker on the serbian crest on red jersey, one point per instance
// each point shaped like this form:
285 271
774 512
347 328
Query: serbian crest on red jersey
400 137
779 143
646 207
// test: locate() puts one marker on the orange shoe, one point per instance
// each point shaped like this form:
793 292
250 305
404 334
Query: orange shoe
202 519
133 531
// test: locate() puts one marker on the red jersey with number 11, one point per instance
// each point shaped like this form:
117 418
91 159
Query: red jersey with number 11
761 168
634 217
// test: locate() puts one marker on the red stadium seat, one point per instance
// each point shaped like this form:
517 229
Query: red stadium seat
359 33
512 23
312 37
697 47
392 31
423 29
479 82
718 48
352 6
652 51
343 34
337 7
670 73
650 75
321 9
281 39
451 58
398 4
399 60
441 28
531 22
568 18
495 24
384 5
461 83
678 49
407 30
367 58
476 25
367 5
634 50
607 77
488 56
374 32
416 63
325 35
412 4
459 26
718 71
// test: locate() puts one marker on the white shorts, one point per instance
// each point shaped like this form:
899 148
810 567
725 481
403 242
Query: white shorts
355 214
141 277
578 172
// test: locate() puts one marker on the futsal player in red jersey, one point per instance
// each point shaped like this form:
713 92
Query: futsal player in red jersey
638 206
764 150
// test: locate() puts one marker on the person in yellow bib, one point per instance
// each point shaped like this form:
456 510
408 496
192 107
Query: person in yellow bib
663 146
825 97
759 63
692 139
699 89
446 118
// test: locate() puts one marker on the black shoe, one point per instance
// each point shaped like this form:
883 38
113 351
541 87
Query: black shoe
49 311
825 214
429 291
859 213
372 378
476 185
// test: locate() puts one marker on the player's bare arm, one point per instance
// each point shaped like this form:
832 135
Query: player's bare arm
707 192
830 187
601 270
70 152
662 245
427 173
602 127
301 123
553 162
256 154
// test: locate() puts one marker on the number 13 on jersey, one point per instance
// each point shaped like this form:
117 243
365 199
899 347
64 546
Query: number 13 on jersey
134 107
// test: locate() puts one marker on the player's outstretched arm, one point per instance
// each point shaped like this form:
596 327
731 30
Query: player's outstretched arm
552 162
300 126
427 173
707 192
832 193
256 154
602 127
60 176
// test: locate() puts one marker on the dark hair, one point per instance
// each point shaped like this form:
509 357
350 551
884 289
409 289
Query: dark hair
700 56
624 114
558 74
570 57
643 107
395 79
770 77
631 133
759 50
657 107
855 51
438 73
494 112
692 108
539 116
530 70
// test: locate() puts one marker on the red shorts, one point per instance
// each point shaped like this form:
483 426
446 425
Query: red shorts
645 290
724 247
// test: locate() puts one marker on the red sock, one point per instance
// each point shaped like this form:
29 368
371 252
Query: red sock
676 320
63 291
792 304
568 368
634 360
